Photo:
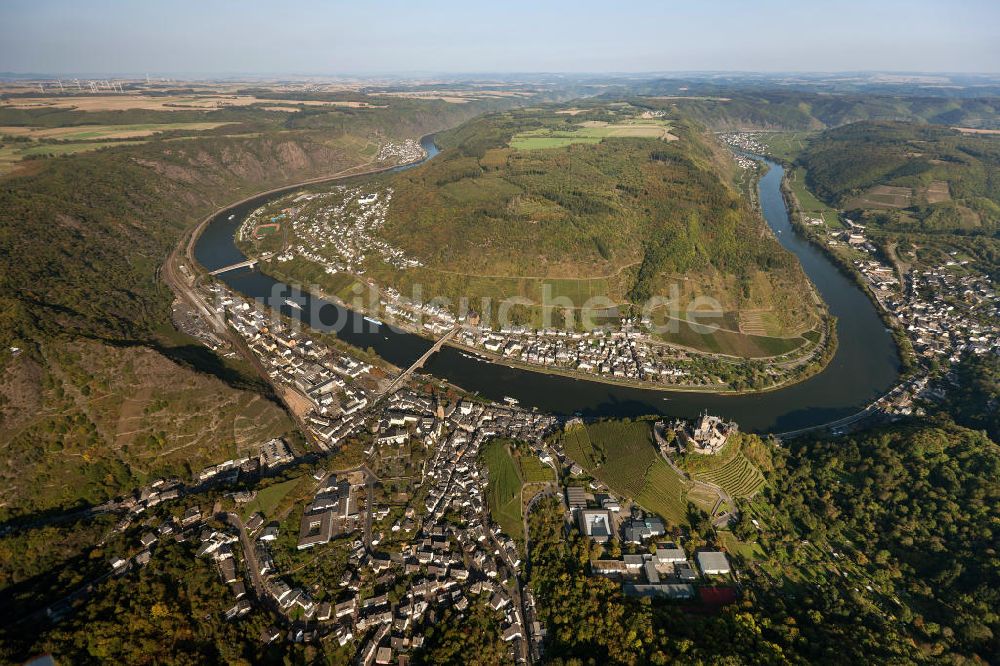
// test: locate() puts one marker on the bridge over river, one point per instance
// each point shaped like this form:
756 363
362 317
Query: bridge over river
419 363
249 263
865 365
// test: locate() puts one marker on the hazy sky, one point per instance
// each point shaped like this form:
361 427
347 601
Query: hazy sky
361 36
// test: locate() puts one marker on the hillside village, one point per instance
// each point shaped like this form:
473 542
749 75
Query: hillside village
405 152
946 311
435 531
337 231
443 542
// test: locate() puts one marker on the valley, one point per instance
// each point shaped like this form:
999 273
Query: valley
535 369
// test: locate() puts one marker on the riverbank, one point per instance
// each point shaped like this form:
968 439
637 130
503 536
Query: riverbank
827 344
863 367
900 338
730 362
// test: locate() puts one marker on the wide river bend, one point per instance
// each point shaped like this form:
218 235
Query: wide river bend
865 365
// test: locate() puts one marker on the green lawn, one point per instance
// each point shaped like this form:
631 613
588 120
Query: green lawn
504 488
269 498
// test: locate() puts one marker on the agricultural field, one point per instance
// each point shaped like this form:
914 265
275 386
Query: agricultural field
882 196
730 469
104 132
504 488
811 206
592 131
731 343
456 96
579 448
626 451
907 176
534 470
622 455
96 103
784 145
13 155
738 477
937 192
664 492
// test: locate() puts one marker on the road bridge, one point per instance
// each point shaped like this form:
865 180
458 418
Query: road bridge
249 263
419 363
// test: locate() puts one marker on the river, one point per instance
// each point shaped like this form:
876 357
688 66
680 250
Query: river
865 366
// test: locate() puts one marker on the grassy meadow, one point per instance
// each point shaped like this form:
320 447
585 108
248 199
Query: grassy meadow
504 489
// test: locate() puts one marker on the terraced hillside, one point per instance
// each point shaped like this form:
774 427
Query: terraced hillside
622 454
94 419
732 468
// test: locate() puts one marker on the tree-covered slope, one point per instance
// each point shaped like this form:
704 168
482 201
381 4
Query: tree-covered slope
729 109
541 195
97 392
940 178
918 507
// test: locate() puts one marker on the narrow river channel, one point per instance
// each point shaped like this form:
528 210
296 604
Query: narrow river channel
865 365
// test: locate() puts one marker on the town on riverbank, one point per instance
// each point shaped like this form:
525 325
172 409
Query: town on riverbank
940 313
332 235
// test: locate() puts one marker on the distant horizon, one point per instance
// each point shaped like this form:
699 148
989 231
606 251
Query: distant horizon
404 74
253 37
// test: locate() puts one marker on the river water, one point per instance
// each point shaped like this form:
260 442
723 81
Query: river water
865 365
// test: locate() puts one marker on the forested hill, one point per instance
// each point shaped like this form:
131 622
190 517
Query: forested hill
91 370
604 193
946 179
82 238
781 110
918 507
871 548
